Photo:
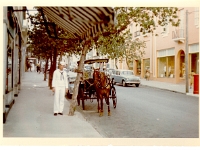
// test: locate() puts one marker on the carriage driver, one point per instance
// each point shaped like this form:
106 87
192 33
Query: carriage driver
60 87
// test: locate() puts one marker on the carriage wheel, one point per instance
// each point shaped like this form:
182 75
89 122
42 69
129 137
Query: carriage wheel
114 97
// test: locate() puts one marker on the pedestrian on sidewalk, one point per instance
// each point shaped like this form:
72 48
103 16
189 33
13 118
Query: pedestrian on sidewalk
42 66
147 75
30 64
192 78
60 87
38 68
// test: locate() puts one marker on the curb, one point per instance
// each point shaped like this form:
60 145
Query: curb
189 94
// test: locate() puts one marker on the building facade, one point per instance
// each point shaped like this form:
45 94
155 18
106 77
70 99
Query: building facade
165 52
14 49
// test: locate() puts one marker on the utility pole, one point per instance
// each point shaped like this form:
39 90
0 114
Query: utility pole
186 54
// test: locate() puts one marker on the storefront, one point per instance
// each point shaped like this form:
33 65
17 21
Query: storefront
9 66
13 43
194 58
146 65
166 63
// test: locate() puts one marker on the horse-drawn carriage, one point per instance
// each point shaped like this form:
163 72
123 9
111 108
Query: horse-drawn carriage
97 84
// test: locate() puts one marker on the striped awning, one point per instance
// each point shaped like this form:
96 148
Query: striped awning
81 22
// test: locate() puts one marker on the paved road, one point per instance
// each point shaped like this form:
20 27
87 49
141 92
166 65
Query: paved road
146 112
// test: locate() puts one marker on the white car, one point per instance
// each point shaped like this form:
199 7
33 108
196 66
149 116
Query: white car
126 77
71 79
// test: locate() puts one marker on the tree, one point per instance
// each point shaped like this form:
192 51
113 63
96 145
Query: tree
45 46
119 43
116 42
121 46
148 18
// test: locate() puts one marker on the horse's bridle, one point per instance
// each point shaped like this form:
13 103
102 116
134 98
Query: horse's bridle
99 81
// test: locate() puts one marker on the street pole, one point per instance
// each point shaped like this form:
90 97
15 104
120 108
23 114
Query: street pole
186 54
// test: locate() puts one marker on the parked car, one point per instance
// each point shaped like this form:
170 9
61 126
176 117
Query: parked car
110 71
88 67
73 67
71 79
126 77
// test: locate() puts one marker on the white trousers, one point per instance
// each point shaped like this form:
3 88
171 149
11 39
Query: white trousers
59 97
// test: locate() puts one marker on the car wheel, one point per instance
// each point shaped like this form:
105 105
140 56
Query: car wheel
123 83
137 85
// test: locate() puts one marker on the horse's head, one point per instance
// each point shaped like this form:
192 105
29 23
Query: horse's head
103 77
96 74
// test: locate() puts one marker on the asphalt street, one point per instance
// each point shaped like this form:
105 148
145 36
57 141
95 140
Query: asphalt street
146 112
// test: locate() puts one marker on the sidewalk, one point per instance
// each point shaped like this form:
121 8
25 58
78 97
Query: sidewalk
32 114
180 88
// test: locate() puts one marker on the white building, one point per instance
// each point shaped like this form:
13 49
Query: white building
14 49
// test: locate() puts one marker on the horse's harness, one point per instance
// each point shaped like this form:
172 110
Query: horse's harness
99 81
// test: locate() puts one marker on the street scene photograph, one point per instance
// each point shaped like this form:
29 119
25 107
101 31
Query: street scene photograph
108 73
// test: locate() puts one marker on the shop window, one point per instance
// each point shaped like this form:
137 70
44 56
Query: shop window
130 65
195 62
146 65
166 67
166 63
170 67
138 67
9 83
162 67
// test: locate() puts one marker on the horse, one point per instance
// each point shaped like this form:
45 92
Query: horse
102 86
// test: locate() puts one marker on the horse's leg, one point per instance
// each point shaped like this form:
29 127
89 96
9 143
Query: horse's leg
98 108
108 106
101 107
108 103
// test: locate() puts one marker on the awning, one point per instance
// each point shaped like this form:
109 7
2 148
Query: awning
92 61
81 22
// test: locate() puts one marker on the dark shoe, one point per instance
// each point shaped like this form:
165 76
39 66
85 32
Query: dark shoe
60 113
55 114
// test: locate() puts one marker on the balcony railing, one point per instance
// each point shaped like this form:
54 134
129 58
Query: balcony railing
178 35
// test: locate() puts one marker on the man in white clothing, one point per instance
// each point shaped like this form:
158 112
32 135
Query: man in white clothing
60 87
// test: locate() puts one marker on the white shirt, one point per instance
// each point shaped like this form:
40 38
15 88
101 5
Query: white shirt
60 78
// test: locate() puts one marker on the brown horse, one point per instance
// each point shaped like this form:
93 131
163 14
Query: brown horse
102 87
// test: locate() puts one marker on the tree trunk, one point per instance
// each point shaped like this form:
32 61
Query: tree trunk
50 76
76 84
53 68
127 63
116 63
45 68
